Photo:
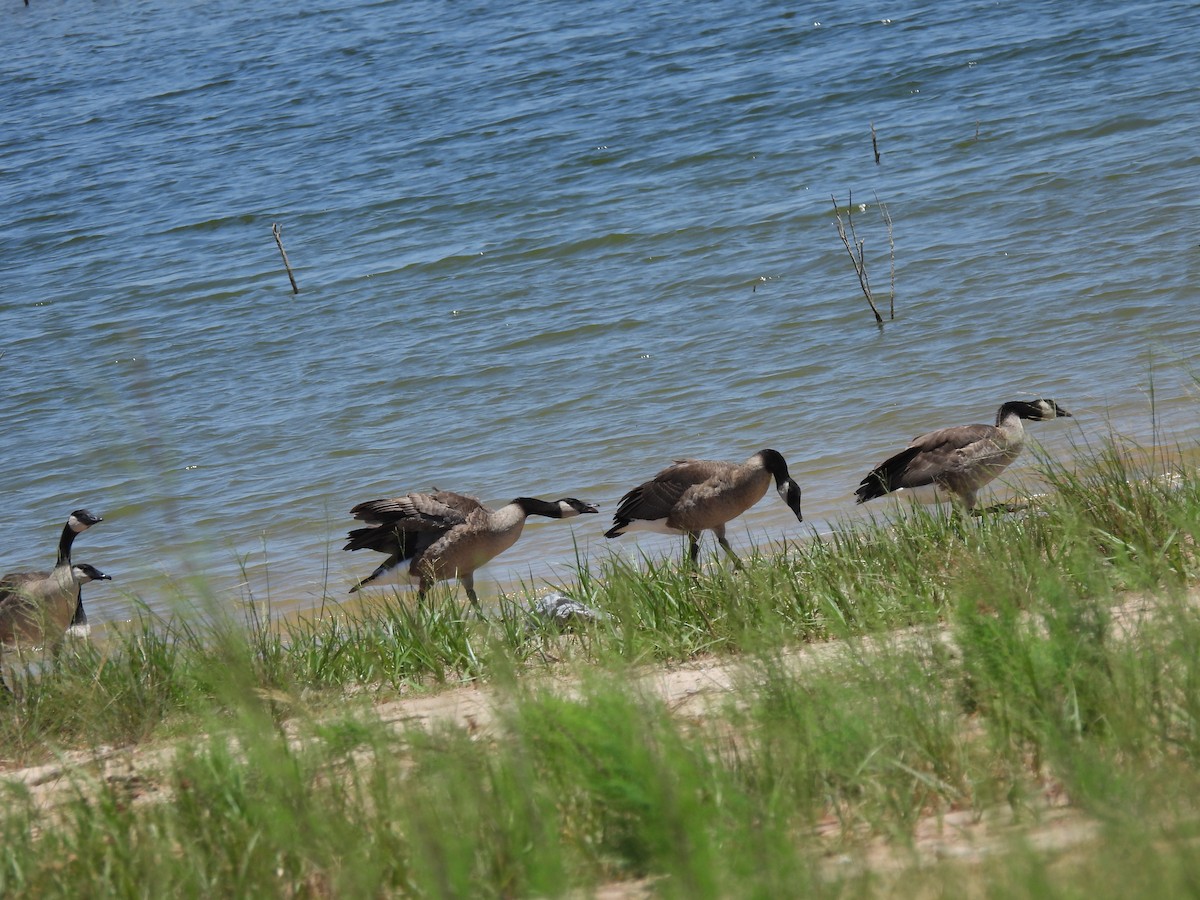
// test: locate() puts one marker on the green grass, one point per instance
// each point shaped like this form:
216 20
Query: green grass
968 668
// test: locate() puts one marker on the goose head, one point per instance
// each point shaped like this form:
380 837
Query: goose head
569 507
1048 409
790 492
85 572
82 520
565 508
788 489
1034 410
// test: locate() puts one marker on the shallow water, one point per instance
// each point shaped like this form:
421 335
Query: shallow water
545 249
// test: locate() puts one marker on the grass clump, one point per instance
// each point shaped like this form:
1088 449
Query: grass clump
803 780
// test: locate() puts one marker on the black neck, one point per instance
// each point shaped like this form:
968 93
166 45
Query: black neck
774 463
1018 408
64 544
535 507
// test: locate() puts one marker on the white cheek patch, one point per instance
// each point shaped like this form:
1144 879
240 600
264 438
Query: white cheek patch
76 525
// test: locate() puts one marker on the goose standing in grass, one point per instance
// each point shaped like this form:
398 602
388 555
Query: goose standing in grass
78 522
959 460
37 607
443 535
695 495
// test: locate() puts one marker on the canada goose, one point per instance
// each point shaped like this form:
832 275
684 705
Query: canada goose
37 607
959 460
443 535
79 521
696 495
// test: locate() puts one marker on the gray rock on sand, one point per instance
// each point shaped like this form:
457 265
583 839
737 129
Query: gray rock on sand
563 612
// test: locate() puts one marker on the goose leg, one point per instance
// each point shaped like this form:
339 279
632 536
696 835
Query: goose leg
468 583
694 551
719 531
962 511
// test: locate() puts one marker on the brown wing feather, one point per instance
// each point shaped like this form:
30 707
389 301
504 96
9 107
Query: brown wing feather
415 512
655 498
12 584
940 456
464 503
944 454
727 493
956 438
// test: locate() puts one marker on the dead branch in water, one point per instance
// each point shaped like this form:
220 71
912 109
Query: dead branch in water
856 252
277 231
874 144
887 221
855 247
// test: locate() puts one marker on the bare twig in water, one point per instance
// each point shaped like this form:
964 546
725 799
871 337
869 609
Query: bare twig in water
277 231
887 221
855 250
874 144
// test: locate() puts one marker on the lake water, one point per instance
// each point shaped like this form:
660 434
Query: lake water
546 248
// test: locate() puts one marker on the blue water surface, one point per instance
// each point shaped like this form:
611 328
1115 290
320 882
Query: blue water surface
544 249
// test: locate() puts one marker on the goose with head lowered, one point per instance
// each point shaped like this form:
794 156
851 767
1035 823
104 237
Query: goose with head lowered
695 495
36 608
436 536
960 460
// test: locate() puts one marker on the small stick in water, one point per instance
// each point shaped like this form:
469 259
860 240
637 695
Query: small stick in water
859 259
887 220
277 231
874 144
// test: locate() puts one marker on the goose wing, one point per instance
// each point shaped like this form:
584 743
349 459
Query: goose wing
14 581
417 512
464 503
14 588
459 551
933 457
925 461
388 539
655 498
949 452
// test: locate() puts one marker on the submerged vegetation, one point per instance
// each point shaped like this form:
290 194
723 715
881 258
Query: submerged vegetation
1021 691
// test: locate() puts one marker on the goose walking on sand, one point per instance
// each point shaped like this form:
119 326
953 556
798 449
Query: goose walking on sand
695 495
959 460
442 535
